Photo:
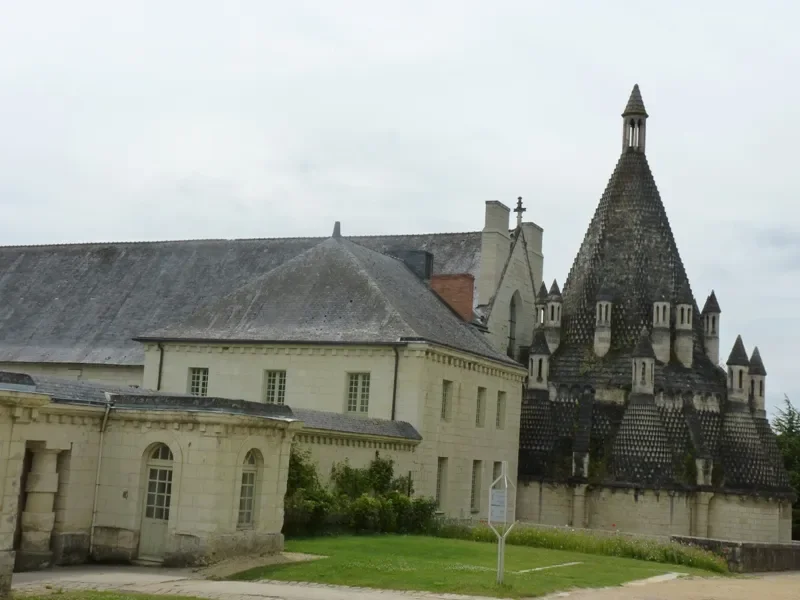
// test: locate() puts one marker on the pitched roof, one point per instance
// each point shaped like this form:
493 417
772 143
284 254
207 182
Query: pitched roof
644 348
337 291
635 105
711 305
539 345
738 356
328 421
84 303
756 364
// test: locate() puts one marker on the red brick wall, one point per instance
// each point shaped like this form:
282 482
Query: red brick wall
457 291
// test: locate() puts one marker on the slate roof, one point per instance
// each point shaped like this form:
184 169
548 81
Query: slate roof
738 355
711 305
635 105
84 303
756 364
129 397
337 291
554 293
539 344
642 450
541 296
644 349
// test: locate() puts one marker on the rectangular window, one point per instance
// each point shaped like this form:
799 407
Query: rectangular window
198 381
247 499
441 481
475 494
480 408
276 387
497 470
447 398
500 417
358 393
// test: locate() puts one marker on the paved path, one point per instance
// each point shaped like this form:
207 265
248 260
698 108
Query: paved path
187 583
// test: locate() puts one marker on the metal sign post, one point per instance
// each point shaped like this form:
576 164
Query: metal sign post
498 515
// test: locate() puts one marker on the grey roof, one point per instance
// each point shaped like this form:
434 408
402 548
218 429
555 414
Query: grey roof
539 345
684 295
605 294
541 297
315 419
554 293
756 364
711 305
85 303
635 104
644 348
337 291
128 397
738 355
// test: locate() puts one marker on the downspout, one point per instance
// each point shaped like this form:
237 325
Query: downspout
109 405
394 381
160 365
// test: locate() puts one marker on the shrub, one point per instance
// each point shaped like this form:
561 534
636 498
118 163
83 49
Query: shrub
364 514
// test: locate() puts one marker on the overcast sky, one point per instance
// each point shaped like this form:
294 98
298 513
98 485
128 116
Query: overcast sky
191 119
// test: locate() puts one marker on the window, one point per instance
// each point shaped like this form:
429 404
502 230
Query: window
552 312
500 416
541 365
713 324
159 483
247 491
447 398
475 493
441 481
761 388
682 315
741 380
275 387
497 470
358 393
480 408
198 381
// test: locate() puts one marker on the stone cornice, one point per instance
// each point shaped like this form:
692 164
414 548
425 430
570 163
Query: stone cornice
337 438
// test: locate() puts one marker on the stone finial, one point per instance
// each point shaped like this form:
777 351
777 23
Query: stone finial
711 305
738 356
337 229
756 364
644 349
519 210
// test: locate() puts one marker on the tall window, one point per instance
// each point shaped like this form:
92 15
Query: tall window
447 399
275 387
247 491
441 481
198 381
475 492
500 415
480 408
358 393
159 483
512 326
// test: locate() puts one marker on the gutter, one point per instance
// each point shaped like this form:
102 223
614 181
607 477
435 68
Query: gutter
109 405
394 381
160 365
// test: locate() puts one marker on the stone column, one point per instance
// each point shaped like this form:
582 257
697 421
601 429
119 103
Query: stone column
702 501
38 517
579 506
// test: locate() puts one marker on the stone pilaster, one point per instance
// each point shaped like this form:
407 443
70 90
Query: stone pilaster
700 524
38 516
579 506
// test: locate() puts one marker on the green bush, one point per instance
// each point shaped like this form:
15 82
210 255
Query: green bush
605 544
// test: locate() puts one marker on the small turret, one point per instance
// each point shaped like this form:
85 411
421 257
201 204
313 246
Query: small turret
539 362
541 305
552 317
757 374
661 322
738 367
684 340
710 314
602 326
643 359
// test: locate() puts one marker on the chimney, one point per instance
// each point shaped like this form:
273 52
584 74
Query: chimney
457 291
495 246
419 261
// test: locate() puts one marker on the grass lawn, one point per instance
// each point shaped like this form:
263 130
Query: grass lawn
56 595
452 566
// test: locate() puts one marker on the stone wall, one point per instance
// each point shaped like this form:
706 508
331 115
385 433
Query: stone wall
750 557
639 511
746 518
545 503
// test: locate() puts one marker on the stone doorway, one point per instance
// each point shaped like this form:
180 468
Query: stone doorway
157 502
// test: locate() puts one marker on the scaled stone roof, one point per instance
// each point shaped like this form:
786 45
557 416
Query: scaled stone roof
738 355
711 305
644 349
756 364
539 344
84 303
635 104
336 292
541 296
554 293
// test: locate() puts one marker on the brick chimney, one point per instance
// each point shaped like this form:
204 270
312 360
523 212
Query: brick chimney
457 290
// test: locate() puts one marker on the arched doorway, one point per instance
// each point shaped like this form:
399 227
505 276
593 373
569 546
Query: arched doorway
157 500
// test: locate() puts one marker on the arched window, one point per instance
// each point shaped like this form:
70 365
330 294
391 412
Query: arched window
599 313
741 378
713 324
682 315
761 388
644 368
688 315
664 314
247 490
541 363
552 312
752 387
512 324
606 313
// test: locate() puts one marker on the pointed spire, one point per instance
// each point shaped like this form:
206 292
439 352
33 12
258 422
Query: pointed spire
605 294
554 293
644 348
711 305
337 229
635 104
539 345
541 297
738 357
684 294
756 364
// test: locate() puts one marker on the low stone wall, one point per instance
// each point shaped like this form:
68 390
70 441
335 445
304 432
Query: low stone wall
749 557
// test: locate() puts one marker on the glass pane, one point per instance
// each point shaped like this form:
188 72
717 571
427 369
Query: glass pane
149 512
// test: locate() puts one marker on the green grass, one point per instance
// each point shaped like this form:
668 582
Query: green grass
84 595
451 566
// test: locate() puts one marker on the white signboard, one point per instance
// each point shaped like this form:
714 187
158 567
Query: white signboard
497 508
498 515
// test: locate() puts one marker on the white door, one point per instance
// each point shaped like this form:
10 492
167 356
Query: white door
155 514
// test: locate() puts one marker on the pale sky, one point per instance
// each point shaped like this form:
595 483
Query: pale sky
194 119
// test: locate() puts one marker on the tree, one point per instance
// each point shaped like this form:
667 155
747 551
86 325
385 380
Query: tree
787 428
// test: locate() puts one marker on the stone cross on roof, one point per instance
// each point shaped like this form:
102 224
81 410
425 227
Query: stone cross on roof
519 210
